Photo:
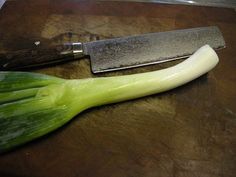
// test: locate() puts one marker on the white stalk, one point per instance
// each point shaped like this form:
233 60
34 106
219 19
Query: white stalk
115 89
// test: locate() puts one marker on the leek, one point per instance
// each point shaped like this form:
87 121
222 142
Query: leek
31 104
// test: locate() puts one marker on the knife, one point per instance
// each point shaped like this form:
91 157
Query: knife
118 53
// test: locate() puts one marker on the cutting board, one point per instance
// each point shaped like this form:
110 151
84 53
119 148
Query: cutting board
189 131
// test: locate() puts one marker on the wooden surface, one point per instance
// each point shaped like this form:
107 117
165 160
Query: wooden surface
189 131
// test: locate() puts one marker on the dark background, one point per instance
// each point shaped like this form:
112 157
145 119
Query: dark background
189 131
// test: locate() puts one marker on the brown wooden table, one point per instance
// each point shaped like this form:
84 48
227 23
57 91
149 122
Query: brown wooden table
189 131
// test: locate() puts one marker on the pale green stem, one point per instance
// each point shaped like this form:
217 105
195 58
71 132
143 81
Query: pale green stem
99 91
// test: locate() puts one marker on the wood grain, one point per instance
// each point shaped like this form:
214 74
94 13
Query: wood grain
189 131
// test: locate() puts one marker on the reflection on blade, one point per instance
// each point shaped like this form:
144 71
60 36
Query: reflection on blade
1 3
212 3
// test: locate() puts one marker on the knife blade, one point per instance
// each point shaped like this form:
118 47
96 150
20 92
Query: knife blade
1 3
119 53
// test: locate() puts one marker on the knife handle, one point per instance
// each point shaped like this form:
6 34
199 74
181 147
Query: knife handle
40 55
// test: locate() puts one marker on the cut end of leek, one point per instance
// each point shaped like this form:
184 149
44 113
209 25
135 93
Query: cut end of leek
31 105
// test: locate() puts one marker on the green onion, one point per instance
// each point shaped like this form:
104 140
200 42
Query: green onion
31 105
